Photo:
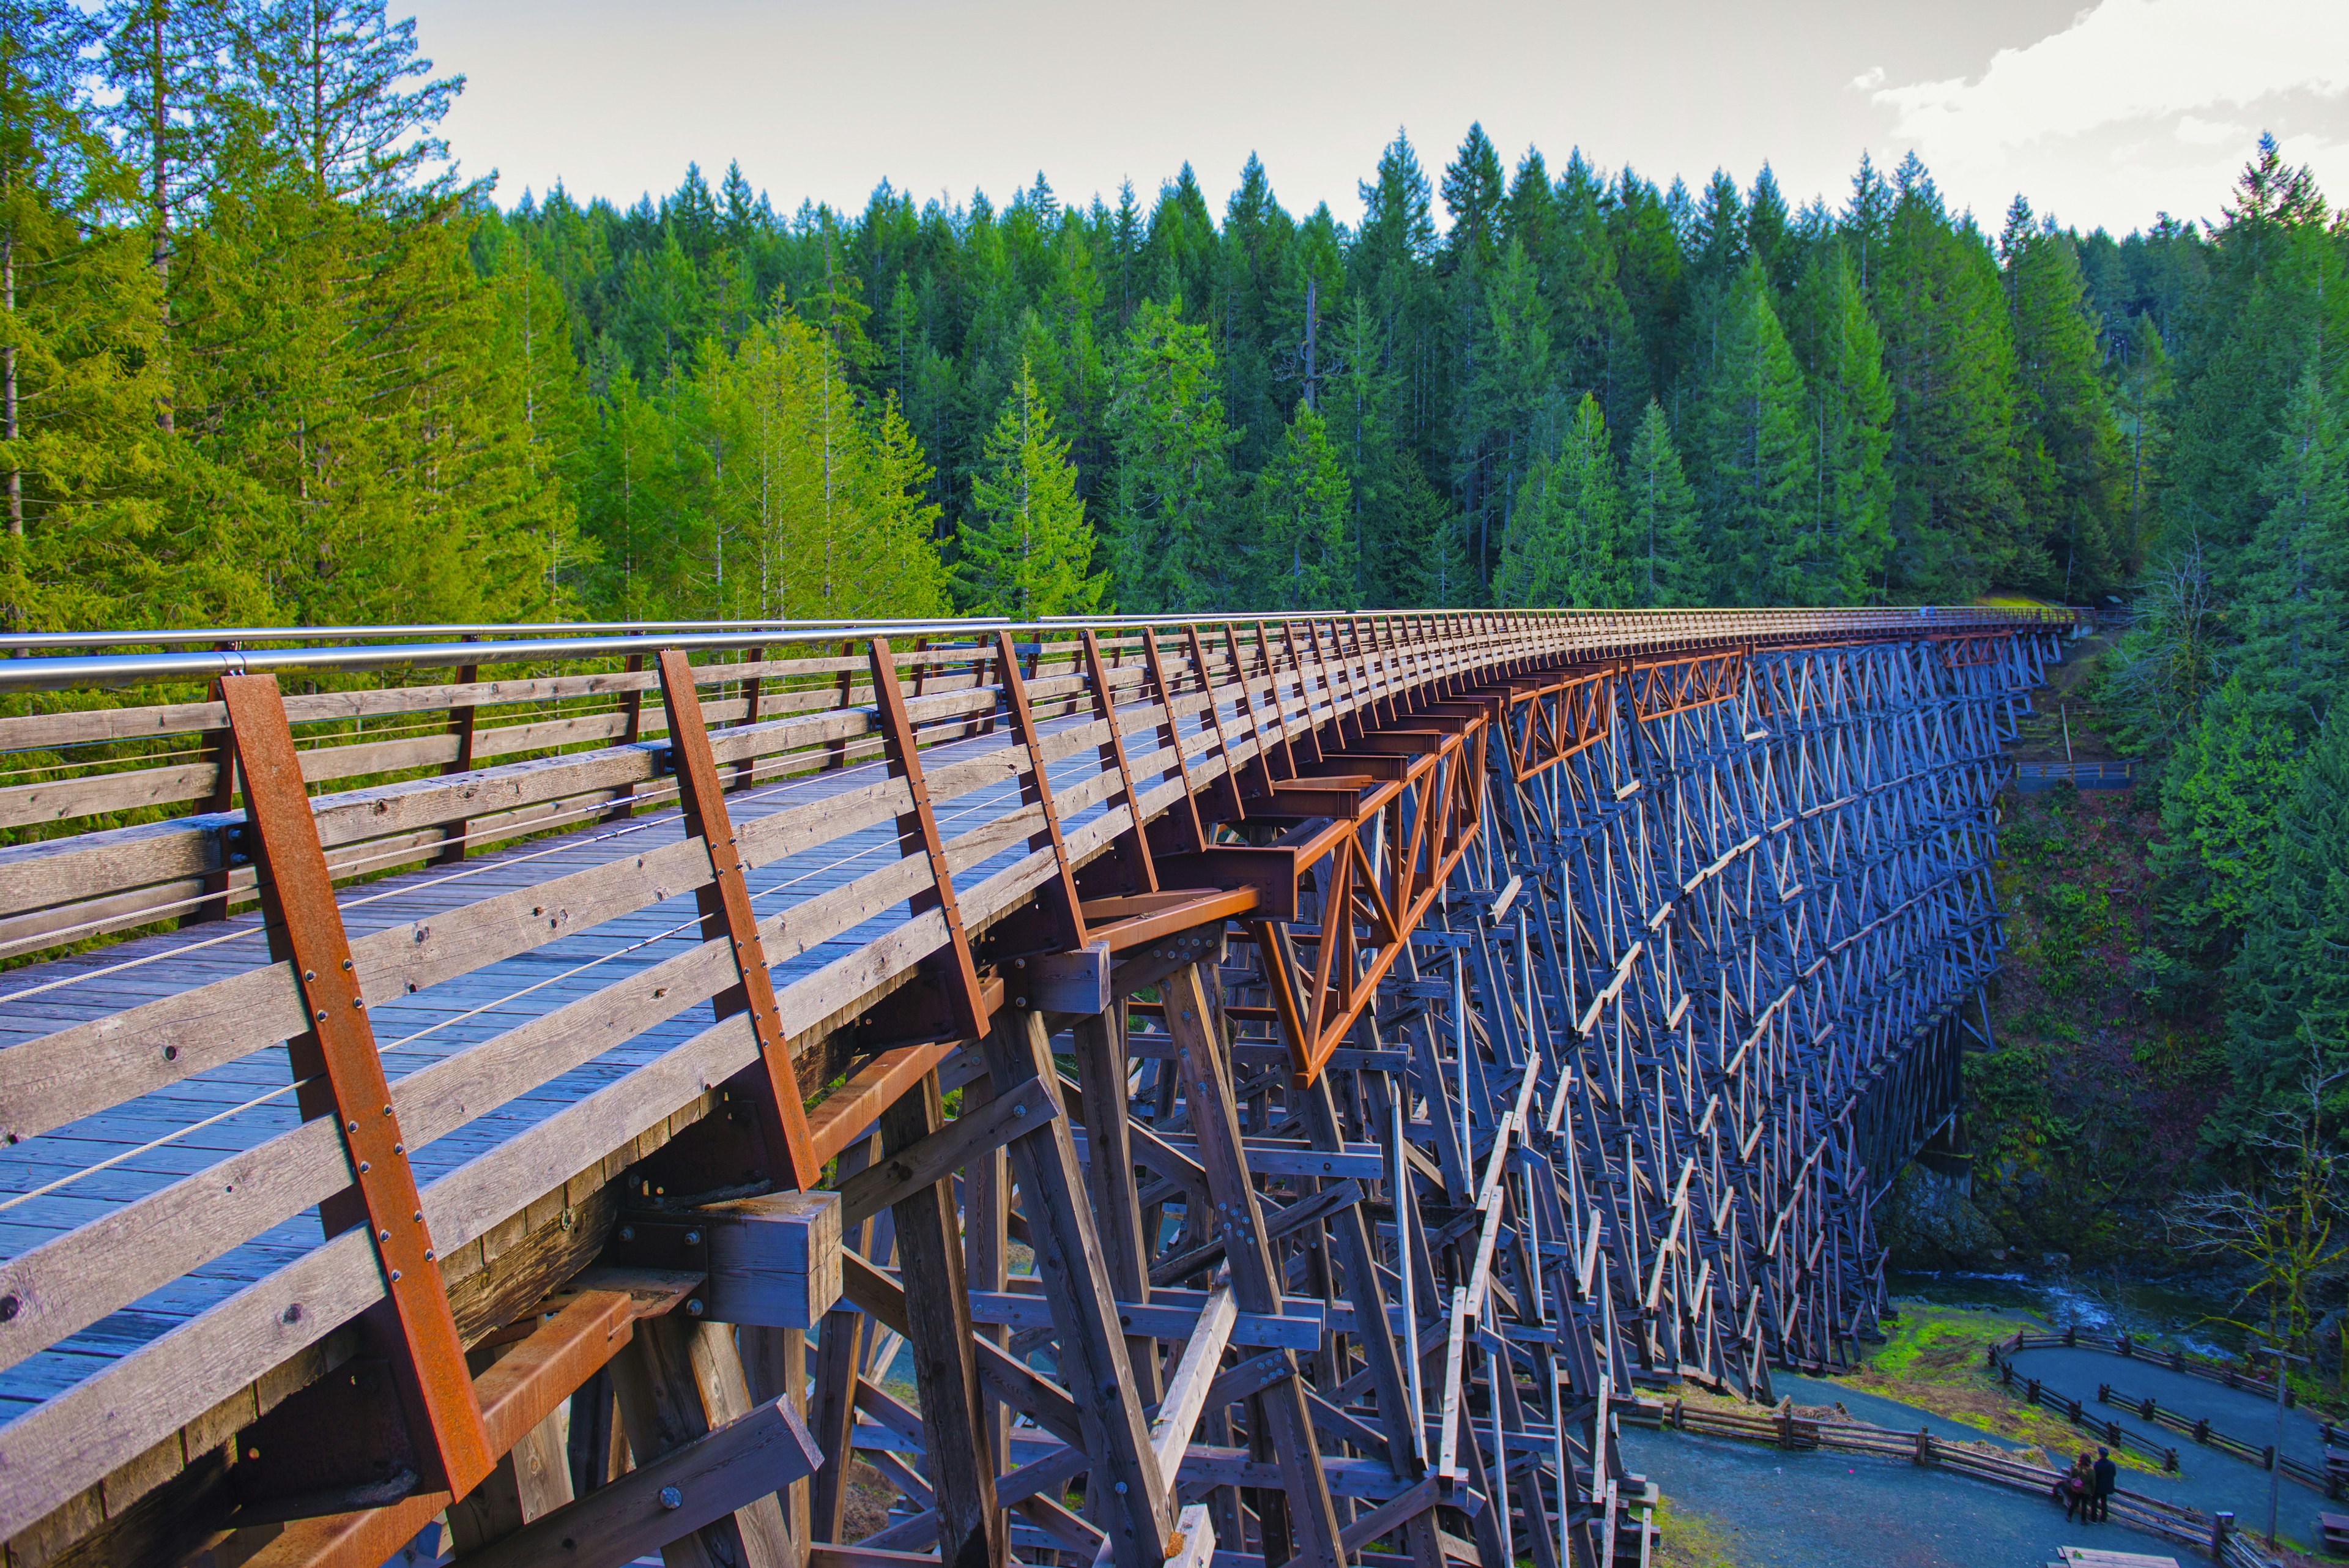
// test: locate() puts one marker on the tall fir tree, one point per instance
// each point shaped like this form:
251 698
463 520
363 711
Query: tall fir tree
1752 451
1170 536
1029 550
1848 504
2295 595
1659 521
1301 554
2068 449
1567 543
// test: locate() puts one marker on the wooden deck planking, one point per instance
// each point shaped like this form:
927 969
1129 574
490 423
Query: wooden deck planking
415 1029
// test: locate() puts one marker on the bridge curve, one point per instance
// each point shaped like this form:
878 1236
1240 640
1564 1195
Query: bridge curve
1491 1013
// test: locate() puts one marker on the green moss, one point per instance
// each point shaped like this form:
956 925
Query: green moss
1689 1538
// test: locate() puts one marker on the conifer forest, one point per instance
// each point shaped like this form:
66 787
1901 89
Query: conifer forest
272 357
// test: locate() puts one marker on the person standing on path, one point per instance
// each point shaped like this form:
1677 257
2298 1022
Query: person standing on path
2105 1474
2077 1484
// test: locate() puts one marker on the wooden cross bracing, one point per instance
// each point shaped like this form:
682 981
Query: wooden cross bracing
1397 1039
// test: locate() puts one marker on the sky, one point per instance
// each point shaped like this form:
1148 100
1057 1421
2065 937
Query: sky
2103 115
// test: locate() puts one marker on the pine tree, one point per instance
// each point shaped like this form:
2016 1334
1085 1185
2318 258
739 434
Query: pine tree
330 75
1848 507
1301 556
1660 527
1566 543
2295 598
2067 447
1027 551
2221 791
2141 393
1950 356
2292 991
1169 537
1754 453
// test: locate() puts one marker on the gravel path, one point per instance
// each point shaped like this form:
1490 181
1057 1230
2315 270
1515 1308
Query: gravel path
1819 1509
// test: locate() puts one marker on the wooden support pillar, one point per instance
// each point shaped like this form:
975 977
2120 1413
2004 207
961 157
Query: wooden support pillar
774 1365
678 1380
839 1353
1109 1176
1280 1411
1092 1360
972 1533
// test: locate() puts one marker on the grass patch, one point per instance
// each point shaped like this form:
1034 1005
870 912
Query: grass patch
1689 1539
1937 1359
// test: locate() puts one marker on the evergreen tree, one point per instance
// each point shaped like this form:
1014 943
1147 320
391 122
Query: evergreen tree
2067 447
1567 543
1301 555
1660 527
1950 356
2220 792
2296 588
2141 391
1028 549
331 77
2291 1009
1847 524
1170 547
1752 451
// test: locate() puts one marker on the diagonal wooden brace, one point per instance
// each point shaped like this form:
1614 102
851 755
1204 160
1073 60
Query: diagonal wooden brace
1134 844
1061 900
725 903
343 1069
919 829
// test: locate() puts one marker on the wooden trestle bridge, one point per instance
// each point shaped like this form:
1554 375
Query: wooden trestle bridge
1278 1084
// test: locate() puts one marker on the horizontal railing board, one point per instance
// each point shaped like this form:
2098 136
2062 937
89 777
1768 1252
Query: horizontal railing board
890 955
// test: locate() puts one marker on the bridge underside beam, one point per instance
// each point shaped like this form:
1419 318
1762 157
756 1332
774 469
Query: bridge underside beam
1461 1058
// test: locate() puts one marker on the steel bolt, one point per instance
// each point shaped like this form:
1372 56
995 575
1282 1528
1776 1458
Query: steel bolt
693 1307
627 1232
693 1238
670 1497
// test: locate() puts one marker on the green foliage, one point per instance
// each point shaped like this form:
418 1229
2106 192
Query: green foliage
2226 781
2292 999
1659 519
1170 501
1567 543
1752 453
1299 516
1027 552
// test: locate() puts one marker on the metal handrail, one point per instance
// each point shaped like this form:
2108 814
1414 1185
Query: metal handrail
50 674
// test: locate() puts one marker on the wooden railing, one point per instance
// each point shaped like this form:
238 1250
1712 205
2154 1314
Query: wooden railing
968 775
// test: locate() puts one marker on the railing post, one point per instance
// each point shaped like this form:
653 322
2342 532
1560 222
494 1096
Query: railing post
918 831
748 766
1170 738
632 730
1035 789
340 1070
770 1083
1132 846
220 750
460 724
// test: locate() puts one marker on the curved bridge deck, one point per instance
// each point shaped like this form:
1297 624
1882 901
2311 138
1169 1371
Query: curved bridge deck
1393 1037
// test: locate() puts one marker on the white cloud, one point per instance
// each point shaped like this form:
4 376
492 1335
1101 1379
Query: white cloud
1869 79
2127 60
2200 132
